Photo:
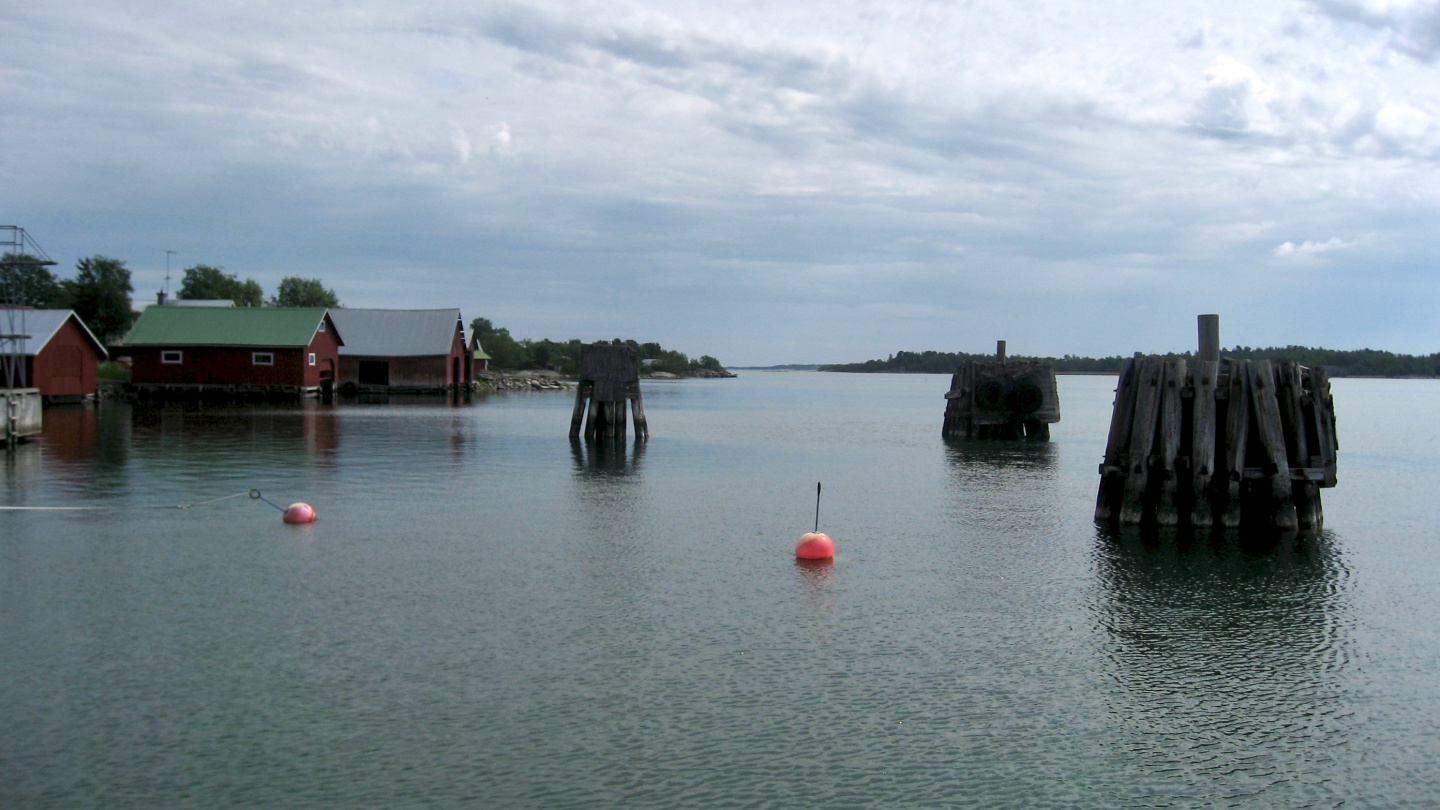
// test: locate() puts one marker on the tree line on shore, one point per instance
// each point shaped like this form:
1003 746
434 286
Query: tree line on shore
1337 362
508 354
100 290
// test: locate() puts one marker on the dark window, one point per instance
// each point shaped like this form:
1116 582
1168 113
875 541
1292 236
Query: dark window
374 372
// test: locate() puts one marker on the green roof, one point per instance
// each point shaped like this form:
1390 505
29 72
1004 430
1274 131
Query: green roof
226 326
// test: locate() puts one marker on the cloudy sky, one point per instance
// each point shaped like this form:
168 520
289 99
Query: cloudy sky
767 182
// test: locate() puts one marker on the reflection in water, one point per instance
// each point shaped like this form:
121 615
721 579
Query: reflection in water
607 457
70 432
1010 488
816 578
1226 656
76 442
617 545
1002 455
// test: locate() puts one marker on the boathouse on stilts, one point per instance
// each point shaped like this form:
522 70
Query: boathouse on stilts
1000 400
609 377
1221 441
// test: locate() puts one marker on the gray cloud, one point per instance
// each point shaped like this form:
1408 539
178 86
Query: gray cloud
1413 28
767 183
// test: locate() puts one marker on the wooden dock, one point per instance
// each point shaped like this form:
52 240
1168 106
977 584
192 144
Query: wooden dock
1000 400
1218 441
609 377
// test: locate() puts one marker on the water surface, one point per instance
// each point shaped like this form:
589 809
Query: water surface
489 614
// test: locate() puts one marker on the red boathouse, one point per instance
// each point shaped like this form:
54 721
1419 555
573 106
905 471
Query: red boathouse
233 350
62 356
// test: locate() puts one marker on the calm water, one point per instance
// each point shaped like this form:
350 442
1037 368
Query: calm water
487 615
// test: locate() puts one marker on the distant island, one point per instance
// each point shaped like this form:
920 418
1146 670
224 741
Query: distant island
1353 363
508 354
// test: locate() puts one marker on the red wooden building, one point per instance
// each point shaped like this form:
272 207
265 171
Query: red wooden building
402 350
61 354
262 350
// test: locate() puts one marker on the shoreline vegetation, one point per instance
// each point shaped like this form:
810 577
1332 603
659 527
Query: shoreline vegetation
1338 363
656 362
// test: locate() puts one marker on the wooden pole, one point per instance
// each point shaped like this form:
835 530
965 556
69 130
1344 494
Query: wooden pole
1209 337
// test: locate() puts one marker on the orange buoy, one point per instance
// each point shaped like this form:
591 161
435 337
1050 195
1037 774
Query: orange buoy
299 513
815 546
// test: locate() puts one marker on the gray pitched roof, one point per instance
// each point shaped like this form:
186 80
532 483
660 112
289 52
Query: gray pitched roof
41 325
396 332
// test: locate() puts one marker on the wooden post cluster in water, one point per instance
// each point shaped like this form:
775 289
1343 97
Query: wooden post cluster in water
1000 400
609 376
1225 440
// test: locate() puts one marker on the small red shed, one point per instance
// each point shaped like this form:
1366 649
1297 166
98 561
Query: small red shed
62 355
266 349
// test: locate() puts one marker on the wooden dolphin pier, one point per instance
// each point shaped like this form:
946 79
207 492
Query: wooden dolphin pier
1000 400
1225 440
609 377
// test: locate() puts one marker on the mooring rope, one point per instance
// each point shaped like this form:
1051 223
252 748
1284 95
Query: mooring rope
253 493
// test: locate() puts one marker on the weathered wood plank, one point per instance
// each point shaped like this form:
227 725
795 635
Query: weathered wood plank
1112 466
1237 432
1271 434
1167 513
637 411
1142 439
1288 393
1324 415
592 420
578 416
1202 443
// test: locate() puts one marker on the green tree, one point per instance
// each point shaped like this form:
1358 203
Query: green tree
505 352
205 282
303 292
28 281
100 295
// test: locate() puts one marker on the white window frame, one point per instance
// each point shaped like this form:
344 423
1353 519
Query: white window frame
322 326
172 358
262 358
312 358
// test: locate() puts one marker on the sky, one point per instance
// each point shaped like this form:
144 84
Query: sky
765 182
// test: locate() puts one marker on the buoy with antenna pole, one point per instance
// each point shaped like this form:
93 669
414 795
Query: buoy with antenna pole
814 545
296 513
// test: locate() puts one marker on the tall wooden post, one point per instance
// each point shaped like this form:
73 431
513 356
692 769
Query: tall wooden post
1209 326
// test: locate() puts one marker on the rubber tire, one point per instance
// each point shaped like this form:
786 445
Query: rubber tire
1025 398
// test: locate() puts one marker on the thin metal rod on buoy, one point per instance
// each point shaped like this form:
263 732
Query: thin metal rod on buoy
817 506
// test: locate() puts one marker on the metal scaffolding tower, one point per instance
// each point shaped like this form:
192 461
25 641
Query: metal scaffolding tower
17 250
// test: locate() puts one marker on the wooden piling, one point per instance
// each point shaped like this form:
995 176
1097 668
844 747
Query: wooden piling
1001 400
1202 443
1115 467
1241 441
609 378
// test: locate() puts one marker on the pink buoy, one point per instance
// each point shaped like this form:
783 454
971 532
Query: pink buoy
299 513
814 546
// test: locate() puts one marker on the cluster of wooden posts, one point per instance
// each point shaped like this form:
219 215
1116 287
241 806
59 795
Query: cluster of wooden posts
609 377
1223 441
1000 400
1203 442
